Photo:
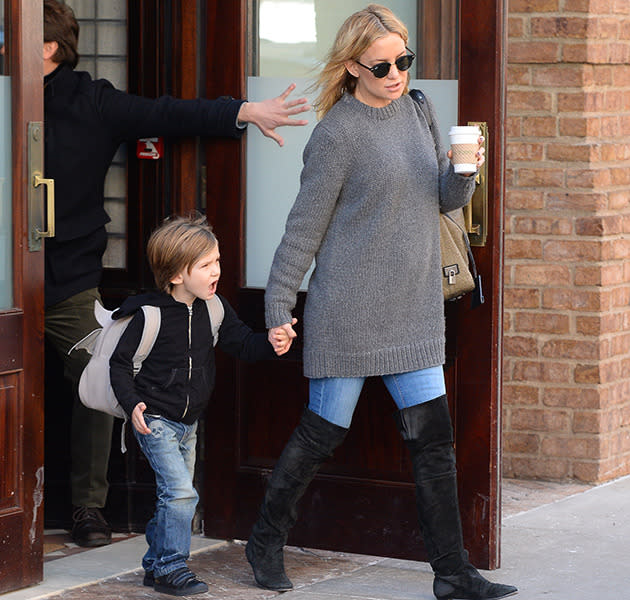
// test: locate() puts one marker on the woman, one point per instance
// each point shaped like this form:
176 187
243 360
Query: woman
368 210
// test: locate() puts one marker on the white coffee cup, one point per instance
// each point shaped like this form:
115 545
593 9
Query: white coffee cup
464 145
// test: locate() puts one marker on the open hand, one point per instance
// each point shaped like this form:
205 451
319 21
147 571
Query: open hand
269 114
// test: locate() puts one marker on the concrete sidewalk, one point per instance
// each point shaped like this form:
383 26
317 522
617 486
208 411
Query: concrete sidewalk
573 548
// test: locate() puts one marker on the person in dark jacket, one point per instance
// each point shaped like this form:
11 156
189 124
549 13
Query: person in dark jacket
85 122
166 397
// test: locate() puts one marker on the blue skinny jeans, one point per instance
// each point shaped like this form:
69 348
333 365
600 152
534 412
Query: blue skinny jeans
335 398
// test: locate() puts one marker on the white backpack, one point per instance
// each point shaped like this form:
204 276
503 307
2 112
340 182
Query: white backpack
95 388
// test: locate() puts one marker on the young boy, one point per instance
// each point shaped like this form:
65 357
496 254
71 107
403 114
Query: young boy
167 396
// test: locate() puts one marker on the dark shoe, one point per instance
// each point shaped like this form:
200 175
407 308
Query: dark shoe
469 585
181 582
148 580
268 567
90 529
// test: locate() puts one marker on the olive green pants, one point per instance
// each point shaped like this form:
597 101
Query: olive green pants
91 431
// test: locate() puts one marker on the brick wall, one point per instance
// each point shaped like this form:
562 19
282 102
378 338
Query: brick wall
566 391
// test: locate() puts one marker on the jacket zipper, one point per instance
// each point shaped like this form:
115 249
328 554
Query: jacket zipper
190 311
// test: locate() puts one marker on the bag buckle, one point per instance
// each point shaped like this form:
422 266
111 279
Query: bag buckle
449 272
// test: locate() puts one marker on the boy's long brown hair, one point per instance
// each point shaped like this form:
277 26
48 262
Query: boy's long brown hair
177 245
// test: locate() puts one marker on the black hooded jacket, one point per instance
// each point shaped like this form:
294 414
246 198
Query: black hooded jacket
177 377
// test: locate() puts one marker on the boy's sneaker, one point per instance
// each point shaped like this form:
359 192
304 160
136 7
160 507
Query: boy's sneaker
182 582
148 580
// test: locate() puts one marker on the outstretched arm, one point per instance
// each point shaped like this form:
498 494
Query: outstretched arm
274 112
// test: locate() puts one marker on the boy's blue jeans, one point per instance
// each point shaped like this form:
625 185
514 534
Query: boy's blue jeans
170 450
335 398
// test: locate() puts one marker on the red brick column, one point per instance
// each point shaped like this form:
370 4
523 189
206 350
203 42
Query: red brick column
566 391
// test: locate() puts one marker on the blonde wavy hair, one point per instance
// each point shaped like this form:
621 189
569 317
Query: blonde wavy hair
358 32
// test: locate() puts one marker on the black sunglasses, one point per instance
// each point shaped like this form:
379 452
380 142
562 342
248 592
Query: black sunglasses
382 69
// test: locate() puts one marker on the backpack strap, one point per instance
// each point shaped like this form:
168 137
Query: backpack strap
152 322
216 312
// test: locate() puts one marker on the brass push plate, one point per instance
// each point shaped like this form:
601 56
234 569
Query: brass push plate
41 221
476 213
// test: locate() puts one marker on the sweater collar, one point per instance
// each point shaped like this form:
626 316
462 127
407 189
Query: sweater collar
385 112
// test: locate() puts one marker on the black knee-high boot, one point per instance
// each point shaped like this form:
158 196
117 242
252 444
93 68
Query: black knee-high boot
427 431
312 442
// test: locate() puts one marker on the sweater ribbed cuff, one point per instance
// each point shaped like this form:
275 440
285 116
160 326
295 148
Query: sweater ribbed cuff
277 315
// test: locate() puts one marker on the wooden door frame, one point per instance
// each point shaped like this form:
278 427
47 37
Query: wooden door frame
21 513
481 80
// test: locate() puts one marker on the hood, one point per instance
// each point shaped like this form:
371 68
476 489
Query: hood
134 303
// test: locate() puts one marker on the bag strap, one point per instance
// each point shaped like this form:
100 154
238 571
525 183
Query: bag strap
152 322
216 312
421 101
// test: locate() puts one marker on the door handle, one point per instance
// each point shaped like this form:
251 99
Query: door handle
41 223
476 211
50 204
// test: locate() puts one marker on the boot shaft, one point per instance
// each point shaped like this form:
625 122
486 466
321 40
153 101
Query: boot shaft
427 431
312 442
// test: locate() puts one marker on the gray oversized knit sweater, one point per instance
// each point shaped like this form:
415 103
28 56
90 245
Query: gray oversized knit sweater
367 211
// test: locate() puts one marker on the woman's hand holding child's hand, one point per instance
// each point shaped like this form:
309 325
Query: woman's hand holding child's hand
282 337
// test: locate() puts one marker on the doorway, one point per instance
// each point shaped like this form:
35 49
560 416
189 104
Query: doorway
143 47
